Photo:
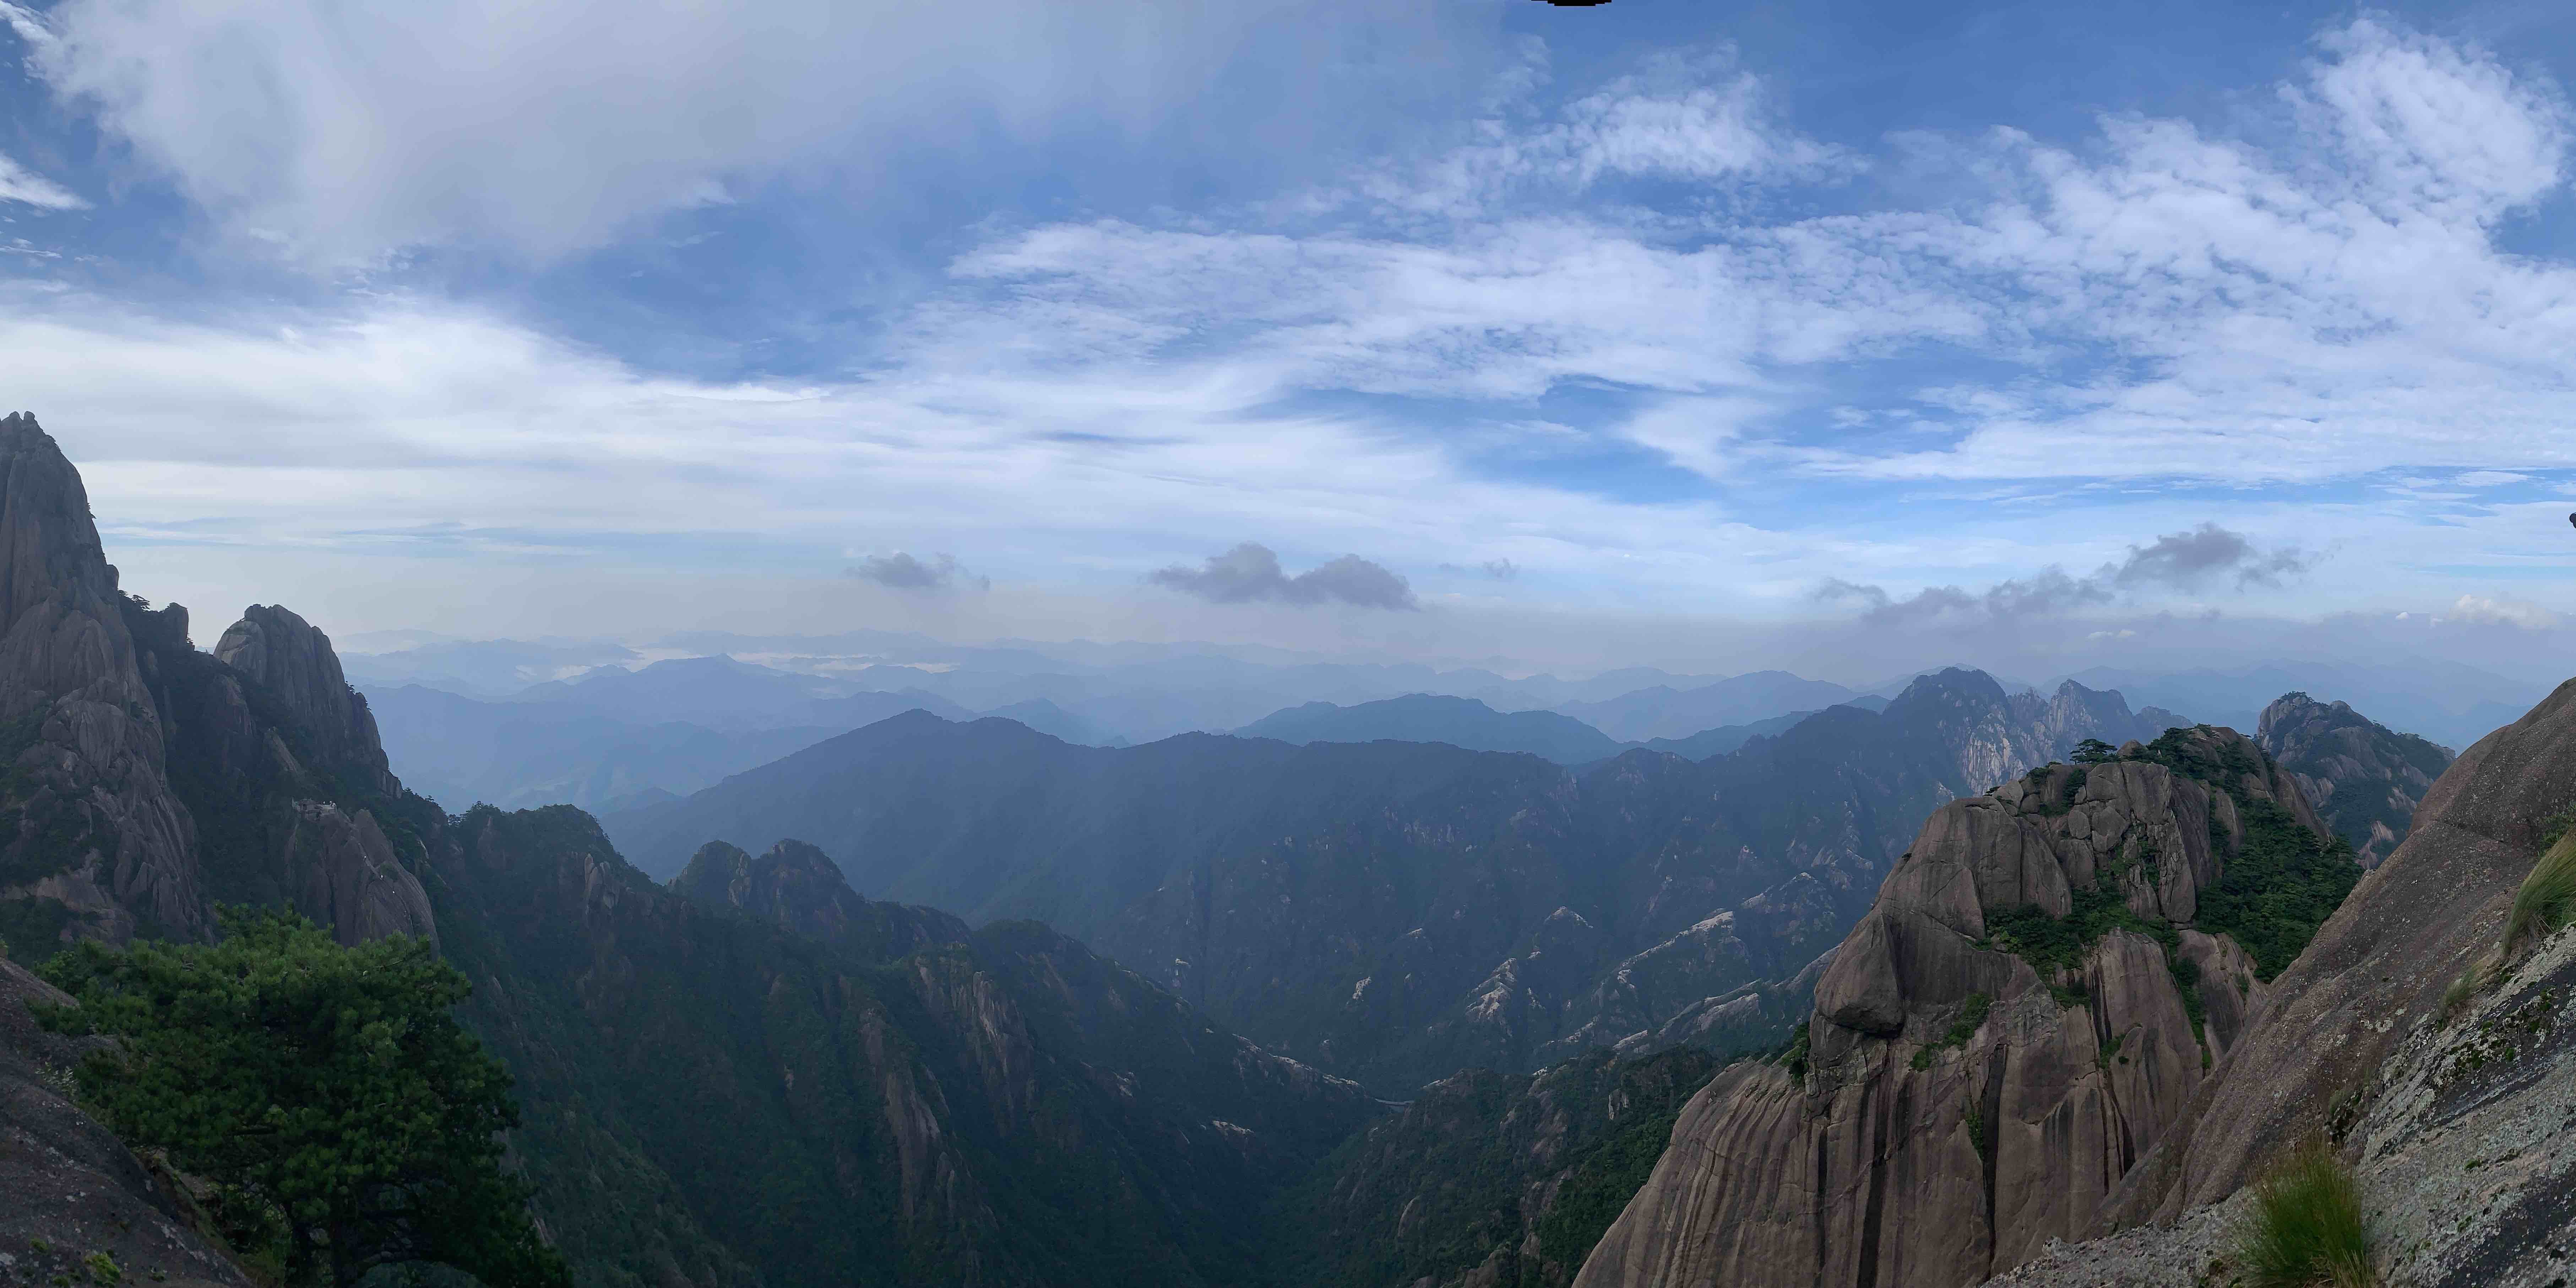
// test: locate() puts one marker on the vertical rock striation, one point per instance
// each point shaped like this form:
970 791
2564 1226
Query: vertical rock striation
294 661
2024 1012
91 838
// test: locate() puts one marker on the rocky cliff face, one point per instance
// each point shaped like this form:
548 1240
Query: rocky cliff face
2044 983
146 779
1001 1108
2365 779
285 654
91 839
799 887
286 787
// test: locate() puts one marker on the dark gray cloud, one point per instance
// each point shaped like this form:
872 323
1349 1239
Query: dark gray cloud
2188 560
901 571
1250 573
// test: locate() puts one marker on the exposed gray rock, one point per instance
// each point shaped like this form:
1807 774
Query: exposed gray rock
294 661
2375 975
352 883
1920 1146
2365 778
86 816
67 1188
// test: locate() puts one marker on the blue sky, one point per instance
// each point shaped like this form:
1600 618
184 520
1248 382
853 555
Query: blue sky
1636 330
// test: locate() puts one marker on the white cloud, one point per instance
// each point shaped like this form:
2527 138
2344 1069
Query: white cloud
2489 478
18 183
2485 610
344 131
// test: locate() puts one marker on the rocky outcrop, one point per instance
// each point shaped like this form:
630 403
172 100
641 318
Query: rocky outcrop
2365 778
2023 1014
68 1190
352 881
91 839
2373 980
799 887
294 662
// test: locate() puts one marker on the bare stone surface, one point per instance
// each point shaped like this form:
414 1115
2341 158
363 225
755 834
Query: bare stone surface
293 659
1914 1151
352 883
89 818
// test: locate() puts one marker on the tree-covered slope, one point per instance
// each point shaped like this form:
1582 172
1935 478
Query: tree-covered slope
2364 778
1394 911
708 1091
1486 1178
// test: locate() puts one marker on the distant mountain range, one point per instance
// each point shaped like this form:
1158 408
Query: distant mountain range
615 736
1395 911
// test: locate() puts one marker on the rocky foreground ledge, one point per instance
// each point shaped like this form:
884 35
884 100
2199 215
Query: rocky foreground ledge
2456 1105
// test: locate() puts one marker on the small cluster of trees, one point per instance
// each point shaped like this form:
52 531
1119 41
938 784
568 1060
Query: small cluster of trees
341 1117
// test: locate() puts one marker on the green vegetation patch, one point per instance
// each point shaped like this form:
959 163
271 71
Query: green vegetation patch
2307 1226
2280 885
32 929
2546 900
1972 1017
2053 945
343 1118
2283 881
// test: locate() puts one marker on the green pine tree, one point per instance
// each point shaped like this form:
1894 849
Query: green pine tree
345 1119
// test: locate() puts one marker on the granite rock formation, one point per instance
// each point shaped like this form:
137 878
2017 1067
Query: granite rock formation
2024 1013
294 661
2365 779
91 839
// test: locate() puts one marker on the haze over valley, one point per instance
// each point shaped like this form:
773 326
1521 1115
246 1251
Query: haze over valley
1248 645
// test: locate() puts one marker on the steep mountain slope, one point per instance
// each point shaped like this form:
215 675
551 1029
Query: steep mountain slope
1486 1178
1662 711
89 830
1422 717
1392 911
2365 778
711 1096
68 1189
2367 1042
2041 987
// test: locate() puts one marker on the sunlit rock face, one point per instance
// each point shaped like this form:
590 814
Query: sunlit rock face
2020 1017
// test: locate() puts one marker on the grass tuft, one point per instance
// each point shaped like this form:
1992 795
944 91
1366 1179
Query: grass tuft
2547 899
2307 1226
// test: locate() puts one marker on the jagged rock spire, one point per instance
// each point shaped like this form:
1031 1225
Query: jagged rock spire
86 815
293 659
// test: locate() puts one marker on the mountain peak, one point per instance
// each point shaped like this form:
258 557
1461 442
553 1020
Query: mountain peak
294 659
